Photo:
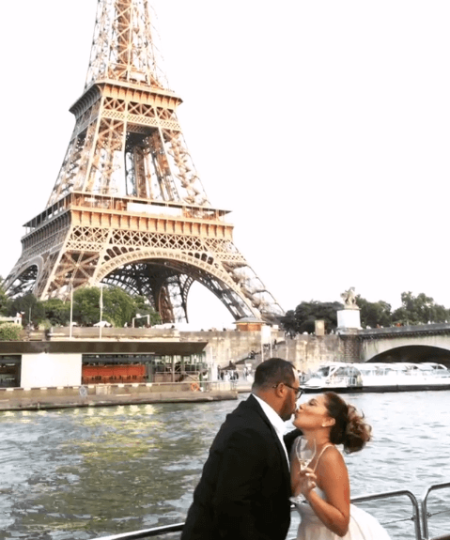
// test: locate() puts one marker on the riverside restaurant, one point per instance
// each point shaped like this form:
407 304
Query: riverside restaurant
28 364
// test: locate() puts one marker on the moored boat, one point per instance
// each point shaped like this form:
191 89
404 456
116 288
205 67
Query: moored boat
378 377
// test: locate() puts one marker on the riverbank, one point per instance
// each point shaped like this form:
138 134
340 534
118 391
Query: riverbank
35 399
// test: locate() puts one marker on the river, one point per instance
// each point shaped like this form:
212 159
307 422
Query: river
82 473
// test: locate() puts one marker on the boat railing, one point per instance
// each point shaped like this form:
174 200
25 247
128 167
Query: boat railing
146 533
419 516
426 515
415 518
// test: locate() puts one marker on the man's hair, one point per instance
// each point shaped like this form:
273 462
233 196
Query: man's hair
272 372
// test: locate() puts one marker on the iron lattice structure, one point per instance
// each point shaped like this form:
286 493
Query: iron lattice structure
128 207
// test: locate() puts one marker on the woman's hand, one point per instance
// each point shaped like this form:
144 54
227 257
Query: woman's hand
306 481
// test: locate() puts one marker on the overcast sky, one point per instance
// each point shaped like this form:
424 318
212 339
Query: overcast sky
323 125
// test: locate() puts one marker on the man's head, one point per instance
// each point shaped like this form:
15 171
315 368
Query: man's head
276 382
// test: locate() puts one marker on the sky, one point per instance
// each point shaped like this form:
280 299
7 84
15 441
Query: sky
323 126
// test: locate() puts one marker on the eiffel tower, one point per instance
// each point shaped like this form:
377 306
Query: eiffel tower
128 207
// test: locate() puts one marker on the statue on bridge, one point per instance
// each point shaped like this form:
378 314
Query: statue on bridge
349 298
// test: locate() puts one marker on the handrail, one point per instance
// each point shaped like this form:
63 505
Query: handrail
177 527
145 533
398 493
426 515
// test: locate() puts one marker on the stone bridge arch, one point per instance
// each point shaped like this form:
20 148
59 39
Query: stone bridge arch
432 348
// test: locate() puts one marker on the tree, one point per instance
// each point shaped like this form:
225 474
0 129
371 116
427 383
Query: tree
31 308
118 306
420 309
374 314
289 322
305 314
5 302
144 308
86 306
57 311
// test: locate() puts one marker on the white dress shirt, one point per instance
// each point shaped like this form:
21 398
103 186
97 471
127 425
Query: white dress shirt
276 421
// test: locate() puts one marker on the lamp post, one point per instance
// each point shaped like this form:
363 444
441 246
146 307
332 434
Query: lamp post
101 312
270 341
262 345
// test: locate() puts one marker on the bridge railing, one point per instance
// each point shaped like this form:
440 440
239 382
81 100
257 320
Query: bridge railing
435 328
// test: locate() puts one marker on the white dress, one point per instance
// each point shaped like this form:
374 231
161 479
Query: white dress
362 526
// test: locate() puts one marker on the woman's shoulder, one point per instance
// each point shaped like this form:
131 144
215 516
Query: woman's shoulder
331 468
330 456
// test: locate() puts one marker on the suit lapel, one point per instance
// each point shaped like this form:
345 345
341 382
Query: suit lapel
284 464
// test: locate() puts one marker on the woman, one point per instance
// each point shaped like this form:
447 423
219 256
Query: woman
322 491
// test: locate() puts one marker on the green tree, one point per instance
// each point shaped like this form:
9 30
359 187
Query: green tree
118 306
305 314
30 307
289 322
420 309
5 302
57 311
86 306
144 308
374 314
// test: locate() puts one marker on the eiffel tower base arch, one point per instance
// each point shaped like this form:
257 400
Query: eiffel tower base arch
159 258
165 279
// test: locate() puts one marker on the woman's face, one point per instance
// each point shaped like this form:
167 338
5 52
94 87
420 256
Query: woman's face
312 414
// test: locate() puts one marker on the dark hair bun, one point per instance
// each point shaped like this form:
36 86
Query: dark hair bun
350 429
357 432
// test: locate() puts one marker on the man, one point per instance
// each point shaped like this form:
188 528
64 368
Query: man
245 486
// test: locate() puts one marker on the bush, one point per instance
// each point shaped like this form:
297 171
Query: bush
10 332
45 325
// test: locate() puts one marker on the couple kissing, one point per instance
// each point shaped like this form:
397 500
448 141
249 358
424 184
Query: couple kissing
255 471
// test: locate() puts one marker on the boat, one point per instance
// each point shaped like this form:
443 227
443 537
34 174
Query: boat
377 377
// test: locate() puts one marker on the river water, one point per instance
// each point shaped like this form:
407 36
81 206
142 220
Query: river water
82 473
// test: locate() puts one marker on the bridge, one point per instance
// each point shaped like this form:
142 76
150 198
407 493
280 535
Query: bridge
421 343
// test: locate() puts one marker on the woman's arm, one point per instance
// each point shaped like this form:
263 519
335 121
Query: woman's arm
332 478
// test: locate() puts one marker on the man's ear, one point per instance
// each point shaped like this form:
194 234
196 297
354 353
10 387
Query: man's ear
280 390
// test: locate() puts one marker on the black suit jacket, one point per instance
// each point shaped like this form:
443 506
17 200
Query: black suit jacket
244 490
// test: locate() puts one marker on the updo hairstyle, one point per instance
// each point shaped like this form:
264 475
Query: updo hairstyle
350 429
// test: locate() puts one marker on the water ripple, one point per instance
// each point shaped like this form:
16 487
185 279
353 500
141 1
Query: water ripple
81 473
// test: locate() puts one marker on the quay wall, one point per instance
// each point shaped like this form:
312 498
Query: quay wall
111 394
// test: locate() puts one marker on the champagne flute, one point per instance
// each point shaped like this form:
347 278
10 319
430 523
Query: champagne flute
305 453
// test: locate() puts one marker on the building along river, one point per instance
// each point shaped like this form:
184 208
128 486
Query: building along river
82 473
